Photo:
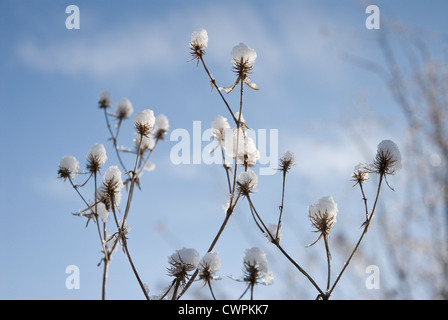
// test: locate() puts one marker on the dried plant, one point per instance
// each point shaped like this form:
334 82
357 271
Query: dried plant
185 265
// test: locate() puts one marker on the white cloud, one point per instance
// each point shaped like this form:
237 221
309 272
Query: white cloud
124 52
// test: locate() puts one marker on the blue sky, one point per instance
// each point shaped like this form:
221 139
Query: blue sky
50 81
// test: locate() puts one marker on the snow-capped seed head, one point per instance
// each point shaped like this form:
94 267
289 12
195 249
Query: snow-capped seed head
255 264
162 126
112 180
198 43
323 214
183 260
208 266
387 159
96 157
247 181
124 109
104 100
68 167
287 161
199 38
242 54
360 173
144 121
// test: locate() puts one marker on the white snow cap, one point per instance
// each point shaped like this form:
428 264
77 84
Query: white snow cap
211 262
391 148
256 257
113 176
162 123
200 38
102 212
241 51
288 156
124 108
185 256
238 145
324 204
70 164
104 99
145 117
97 152
248 179
220 123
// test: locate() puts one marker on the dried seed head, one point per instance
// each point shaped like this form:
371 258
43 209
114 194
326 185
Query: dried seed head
112 181
323 214
198 44
162 125
256 267
144 121
68 167
360 174
104 100
208 266
96 157
124 109
243 59
387 159
287 161
247 181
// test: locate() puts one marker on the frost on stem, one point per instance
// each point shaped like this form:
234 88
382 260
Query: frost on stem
68 167
144 121
96 157
247 181
322 215
124 109
198 44
274 233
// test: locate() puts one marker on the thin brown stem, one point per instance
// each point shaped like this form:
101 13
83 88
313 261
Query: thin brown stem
366 226
281 206
212 80
327 250
114 138
122 236
277 244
